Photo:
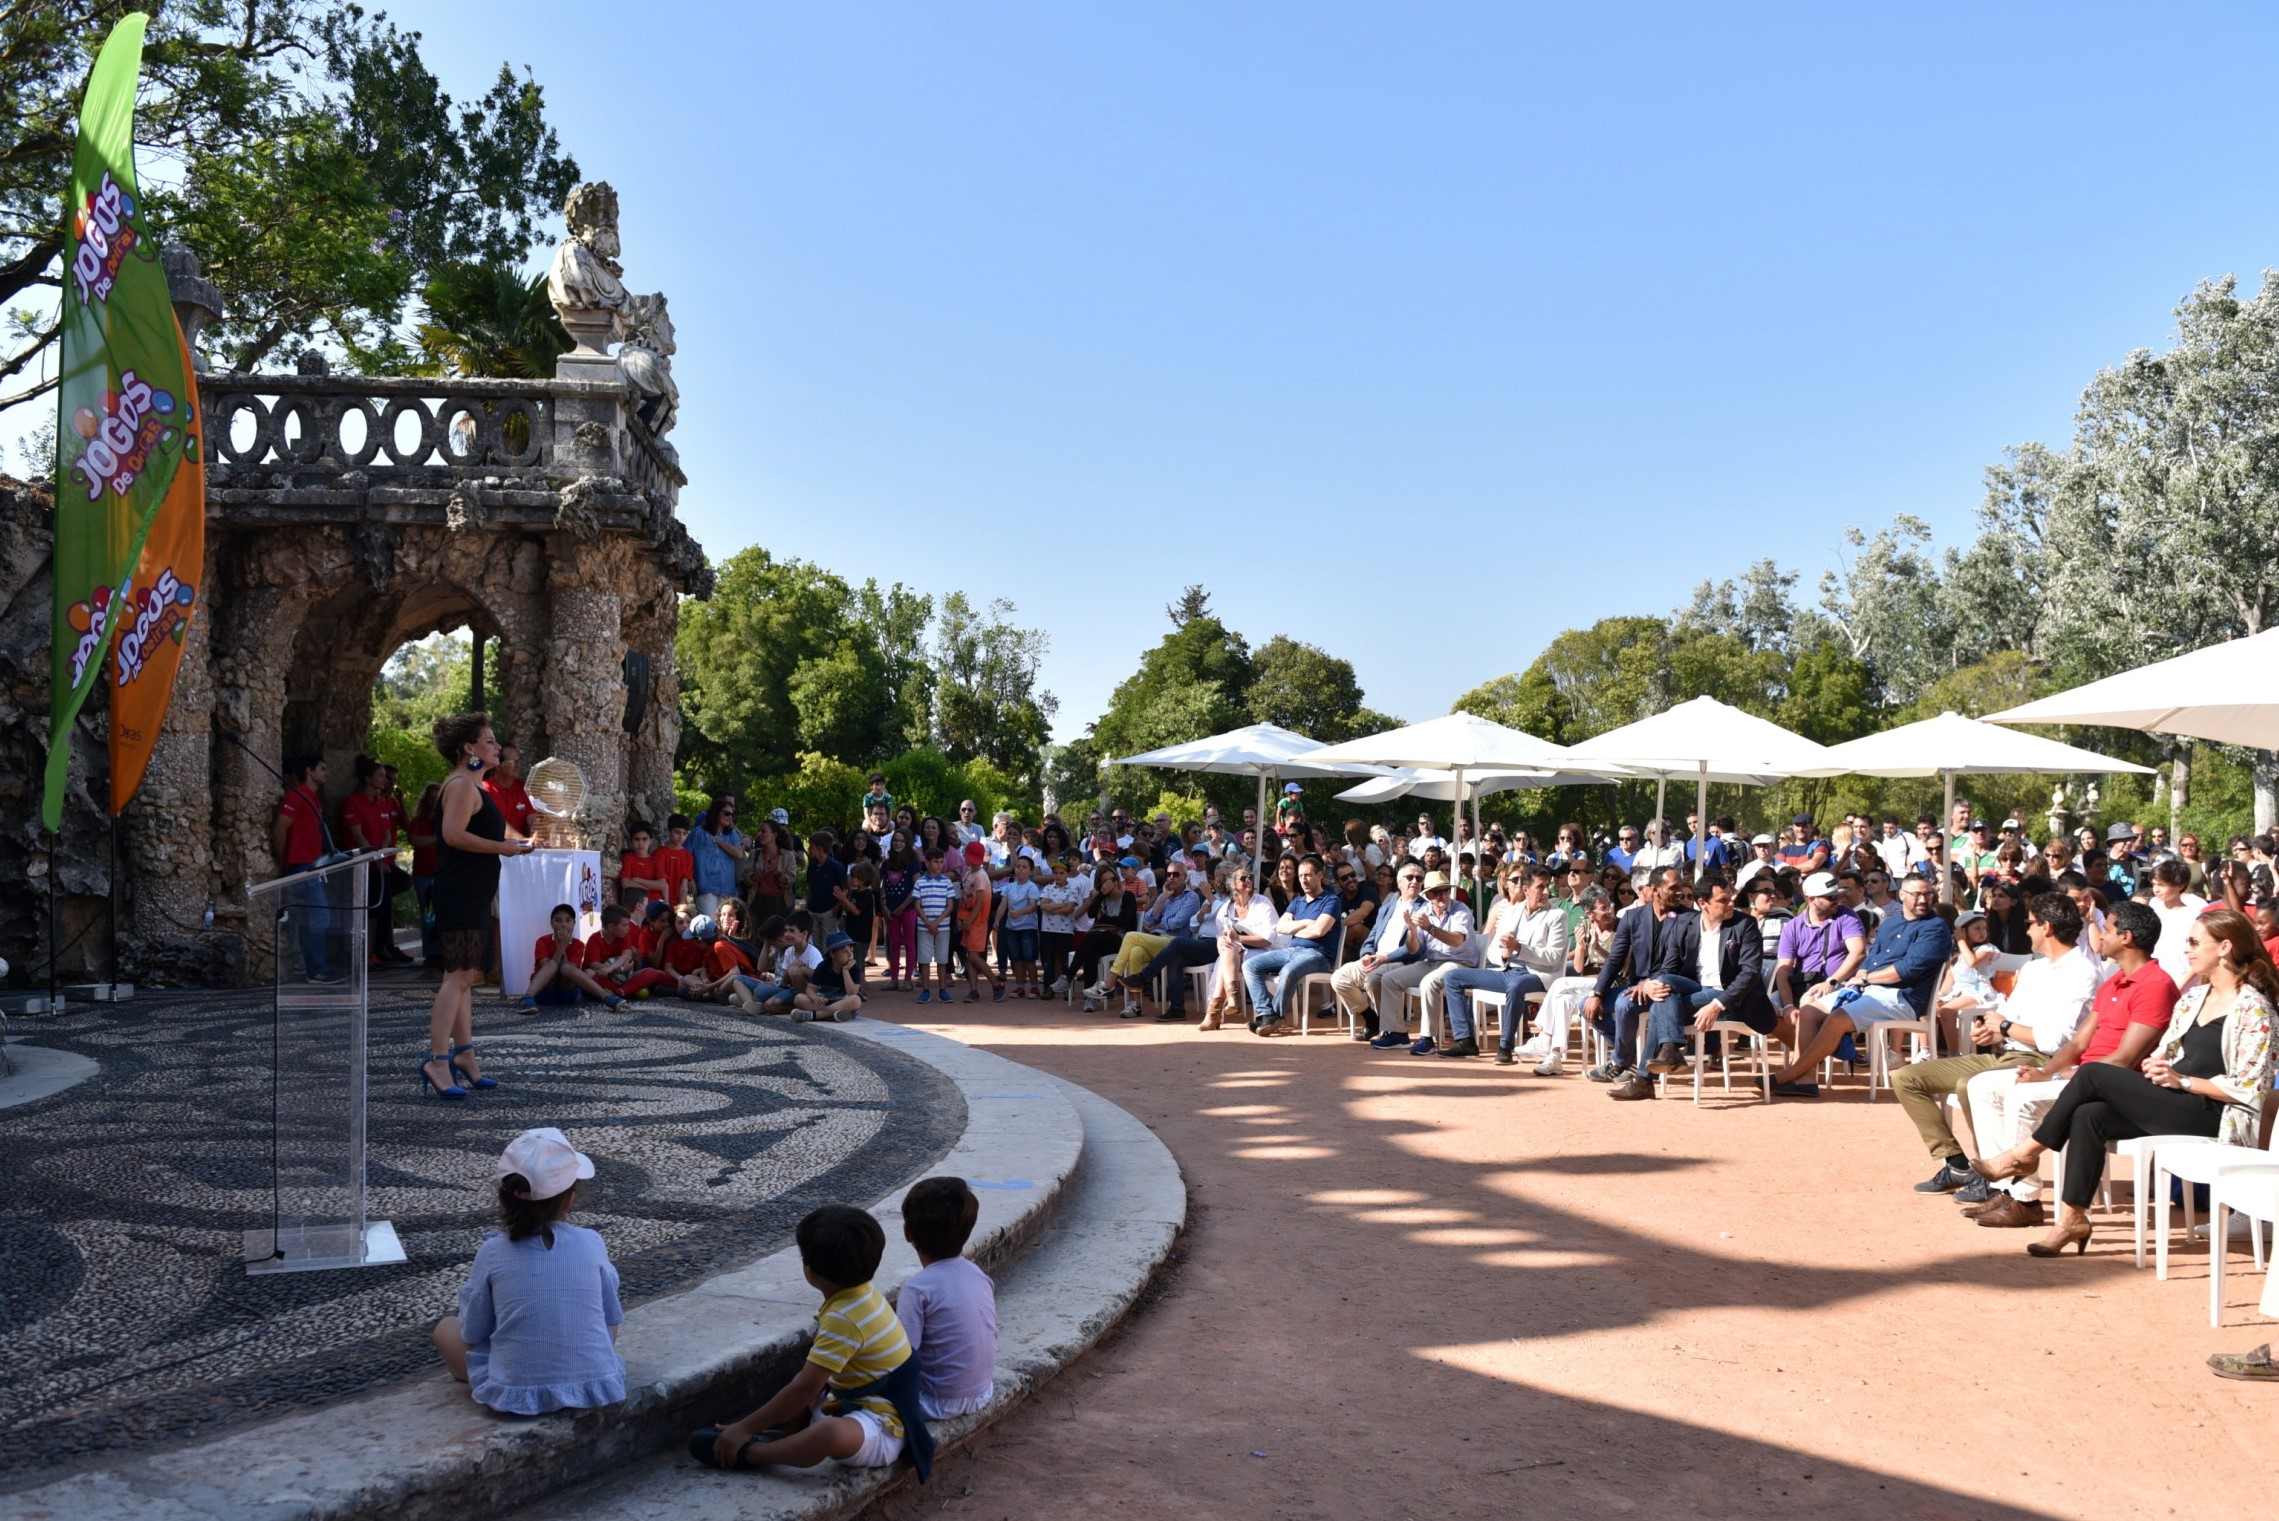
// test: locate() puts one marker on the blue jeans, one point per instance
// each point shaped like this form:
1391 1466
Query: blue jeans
1513 982
305 901
1618 1022
1293 962
1667 1018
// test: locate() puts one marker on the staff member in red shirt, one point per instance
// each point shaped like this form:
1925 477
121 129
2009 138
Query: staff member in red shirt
507 794
298 839
371 818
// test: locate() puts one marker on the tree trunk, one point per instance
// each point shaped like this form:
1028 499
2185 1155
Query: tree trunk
2266 769
2179 790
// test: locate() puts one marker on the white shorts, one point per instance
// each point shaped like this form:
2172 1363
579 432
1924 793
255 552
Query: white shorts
878 1449
943 1410
1878 1003
934 946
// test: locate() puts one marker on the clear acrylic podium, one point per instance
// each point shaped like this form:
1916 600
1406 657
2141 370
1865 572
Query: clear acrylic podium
320 1002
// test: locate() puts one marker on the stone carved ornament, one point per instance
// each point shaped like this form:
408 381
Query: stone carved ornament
646 359
583 281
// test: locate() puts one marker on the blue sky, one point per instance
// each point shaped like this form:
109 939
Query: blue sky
1551 309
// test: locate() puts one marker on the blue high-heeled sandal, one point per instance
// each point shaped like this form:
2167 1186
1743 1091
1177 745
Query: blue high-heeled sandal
452 1092
460 1072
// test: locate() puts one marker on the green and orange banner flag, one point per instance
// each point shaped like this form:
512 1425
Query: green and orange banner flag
129 458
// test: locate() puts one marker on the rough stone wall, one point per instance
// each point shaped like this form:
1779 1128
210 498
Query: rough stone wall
318 567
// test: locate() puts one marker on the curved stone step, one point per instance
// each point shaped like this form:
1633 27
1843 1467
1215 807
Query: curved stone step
1122 1212
424 1450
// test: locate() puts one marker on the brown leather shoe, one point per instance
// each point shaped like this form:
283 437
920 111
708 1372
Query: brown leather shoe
2006 1213
1634 1087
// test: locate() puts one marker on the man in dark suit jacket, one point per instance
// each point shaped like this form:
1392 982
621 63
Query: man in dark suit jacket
1640 953
1717 971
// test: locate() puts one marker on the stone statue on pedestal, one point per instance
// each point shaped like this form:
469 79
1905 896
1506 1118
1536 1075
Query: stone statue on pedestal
584 282
646 359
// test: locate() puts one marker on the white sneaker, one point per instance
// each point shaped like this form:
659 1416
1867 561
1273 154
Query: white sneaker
1096 992
1130 1008
1091 1004
1059 986
1548 1067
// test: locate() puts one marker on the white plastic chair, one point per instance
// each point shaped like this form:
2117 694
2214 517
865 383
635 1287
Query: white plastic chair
2188 1160
1922 1034
1760 1048
1304 994
2251 1188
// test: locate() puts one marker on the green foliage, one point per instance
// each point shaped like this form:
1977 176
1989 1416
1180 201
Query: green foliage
323 172
788 661
420 684
1304 687
489 319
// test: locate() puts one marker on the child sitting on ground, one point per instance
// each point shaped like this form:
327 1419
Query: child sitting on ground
948 1308
856 1398
558 975
831 992
617 957
537 1322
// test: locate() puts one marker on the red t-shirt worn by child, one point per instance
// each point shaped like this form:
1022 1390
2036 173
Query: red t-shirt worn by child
545 952
650 868
684 956
678 868
600 949
724 958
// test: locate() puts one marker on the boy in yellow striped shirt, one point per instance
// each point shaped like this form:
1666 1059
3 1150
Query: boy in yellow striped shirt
856 1396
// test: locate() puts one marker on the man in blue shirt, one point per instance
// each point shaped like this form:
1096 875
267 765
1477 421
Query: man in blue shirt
1625 849
1308 932
1895 982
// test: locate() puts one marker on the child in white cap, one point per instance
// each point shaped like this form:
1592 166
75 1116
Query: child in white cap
537 1322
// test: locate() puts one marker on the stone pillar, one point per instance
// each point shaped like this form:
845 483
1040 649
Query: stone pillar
584 687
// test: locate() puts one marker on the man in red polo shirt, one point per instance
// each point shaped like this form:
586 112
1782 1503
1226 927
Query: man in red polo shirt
371 818
504 784
298 839
2126 1019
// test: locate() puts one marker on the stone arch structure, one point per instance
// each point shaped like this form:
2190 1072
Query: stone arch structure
346 516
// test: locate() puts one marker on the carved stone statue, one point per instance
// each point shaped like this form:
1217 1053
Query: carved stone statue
646 359
583 281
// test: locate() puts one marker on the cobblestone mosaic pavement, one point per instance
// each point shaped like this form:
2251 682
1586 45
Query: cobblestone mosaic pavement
128 1315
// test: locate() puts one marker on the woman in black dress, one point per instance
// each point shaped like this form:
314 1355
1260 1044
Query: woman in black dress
471 835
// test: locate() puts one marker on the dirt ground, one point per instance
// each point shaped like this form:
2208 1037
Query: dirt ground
1413 1287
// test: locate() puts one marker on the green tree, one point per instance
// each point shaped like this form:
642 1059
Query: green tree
1306 688
765 664
491 320
986 698
324 174
1883 598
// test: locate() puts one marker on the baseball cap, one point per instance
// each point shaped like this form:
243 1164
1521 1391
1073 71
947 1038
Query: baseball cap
1969 916
975 852
1978 823
1763 839
1129 861
780 816
546 1160
702 927
1820 885
1291 789
2012 823
1803 819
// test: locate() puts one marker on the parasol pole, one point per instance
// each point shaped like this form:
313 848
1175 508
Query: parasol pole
1701 822
1946 819
1258 844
